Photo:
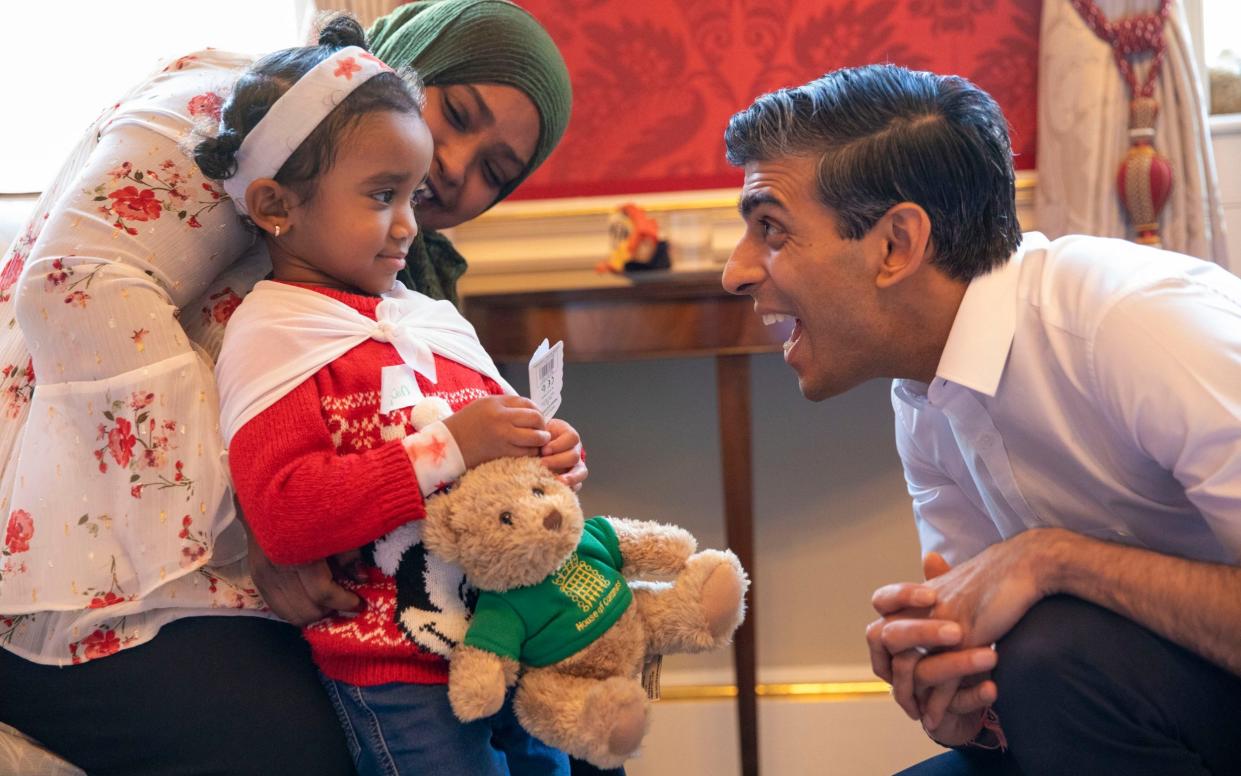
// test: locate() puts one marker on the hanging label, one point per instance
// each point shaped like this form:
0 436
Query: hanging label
547 377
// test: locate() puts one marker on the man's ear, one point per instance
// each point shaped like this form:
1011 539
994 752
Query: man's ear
269 205
904 235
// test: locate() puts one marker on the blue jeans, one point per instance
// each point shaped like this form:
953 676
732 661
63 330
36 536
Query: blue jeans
395 729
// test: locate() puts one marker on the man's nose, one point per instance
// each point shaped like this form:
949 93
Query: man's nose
742 271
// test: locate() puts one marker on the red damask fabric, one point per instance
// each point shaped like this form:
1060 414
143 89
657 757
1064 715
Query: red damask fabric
655 81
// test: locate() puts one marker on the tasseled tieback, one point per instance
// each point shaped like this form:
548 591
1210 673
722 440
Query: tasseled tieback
1144 180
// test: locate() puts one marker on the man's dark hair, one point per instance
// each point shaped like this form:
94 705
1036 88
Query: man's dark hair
884 134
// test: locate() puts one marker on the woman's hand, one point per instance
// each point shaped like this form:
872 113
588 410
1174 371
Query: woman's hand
299 594
564 455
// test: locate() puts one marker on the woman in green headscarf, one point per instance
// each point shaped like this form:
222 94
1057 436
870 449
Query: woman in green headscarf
162 687
498 101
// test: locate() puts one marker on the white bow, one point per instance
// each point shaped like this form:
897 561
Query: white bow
281 335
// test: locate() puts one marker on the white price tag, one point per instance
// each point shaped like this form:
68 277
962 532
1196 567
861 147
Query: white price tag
400 388
547 377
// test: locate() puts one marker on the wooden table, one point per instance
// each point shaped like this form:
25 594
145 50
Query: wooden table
656 315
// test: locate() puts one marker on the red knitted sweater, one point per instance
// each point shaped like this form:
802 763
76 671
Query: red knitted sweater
322 471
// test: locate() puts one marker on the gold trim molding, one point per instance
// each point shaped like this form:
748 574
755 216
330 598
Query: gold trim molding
802 691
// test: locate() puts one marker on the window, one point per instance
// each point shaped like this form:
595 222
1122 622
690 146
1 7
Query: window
66 60
1218 34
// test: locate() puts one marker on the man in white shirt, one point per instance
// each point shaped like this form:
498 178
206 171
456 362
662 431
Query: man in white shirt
1068 414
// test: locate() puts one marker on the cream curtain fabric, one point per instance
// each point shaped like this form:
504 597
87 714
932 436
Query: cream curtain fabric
1083 133
366 11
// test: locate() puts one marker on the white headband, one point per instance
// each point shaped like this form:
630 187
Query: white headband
292 118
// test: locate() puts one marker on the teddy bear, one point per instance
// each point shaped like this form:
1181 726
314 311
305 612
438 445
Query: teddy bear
570 609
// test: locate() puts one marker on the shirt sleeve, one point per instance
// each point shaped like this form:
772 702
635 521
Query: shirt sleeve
305 501
1167 370
949 521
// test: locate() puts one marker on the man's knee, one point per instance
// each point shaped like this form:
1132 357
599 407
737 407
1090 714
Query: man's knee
1061 672
1058 638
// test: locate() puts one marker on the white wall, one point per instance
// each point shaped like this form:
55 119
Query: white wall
1226 132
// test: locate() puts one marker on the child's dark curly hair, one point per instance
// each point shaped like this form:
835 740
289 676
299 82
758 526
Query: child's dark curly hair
267 79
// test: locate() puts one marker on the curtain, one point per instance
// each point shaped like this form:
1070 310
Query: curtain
366 11
1083 133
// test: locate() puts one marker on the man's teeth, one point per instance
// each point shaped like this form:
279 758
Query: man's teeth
774 318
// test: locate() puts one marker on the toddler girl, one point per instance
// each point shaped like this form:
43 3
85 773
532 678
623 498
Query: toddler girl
324 149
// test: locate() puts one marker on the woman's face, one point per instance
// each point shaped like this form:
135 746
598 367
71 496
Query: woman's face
485 135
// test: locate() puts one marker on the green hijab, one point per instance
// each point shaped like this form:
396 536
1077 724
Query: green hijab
474 41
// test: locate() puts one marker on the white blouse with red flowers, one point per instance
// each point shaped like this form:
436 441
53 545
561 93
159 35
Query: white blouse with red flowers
114 499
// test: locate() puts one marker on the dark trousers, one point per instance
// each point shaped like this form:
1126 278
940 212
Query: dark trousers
1083 690
226 695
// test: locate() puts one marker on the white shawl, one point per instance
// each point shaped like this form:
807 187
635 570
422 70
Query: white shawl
282 334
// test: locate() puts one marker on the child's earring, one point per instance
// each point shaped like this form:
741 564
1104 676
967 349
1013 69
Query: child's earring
277 230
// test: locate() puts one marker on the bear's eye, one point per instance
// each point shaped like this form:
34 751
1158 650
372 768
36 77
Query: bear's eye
506 518
537 491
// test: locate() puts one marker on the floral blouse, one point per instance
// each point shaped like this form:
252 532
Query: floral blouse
115 506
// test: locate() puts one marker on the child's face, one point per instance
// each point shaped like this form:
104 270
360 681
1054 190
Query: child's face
355 230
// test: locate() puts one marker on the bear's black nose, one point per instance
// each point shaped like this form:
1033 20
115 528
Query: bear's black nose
553 521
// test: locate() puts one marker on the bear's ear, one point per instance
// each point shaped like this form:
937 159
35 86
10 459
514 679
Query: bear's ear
438 533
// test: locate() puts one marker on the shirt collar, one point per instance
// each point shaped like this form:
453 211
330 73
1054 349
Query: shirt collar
982 332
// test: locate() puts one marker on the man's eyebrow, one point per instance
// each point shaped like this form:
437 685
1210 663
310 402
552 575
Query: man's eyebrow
748 202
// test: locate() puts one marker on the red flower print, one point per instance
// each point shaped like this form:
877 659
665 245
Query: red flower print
140 399
79 298
193 222
120 172
180 475
99 644
20 532
154 458
136 491
57 276
206 104
225 303
135 205
346 68
121 442
107 599
190 555
180 64
12 271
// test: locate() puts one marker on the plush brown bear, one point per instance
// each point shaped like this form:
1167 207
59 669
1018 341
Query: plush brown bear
561 606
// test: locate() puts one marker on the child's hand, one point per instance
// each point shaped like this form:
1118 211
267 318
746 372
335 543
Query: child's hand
563 454
496 427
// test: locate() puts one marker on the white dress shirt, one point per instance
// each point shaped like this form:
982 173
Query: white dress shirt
1091 384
